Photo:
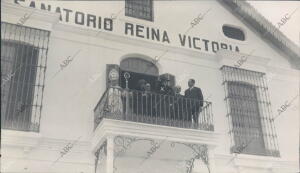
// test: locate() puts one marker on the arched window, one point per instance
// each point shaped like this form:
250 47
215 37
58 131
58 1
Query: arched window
138 69
139 65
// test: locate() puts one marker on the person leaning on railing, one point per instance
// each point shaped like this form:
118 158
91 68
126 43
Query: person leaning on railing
196 101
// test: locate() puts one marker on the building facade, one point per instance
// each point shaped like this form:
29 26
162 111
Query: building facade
71 100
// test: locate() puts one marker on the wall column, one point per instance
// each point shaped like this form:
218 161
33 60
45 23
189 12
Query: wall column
110 154
211 158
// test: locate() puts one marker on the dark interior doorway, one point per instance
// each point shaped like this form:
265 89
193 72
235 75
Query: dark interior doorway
135 77
138 69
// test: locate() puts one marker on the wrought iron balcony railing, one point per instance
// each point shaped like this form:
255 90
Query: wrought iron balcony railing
153 108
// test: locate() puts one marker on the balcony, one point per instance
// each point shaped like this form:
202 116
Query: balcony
136 130
152 108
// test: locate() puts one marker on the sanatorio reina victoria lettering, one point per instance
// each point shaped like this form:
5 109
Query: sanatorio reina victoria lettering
130 29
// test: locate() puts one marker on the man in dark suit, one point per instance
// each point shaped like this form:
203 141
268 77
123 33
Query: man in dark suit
164 99
194 98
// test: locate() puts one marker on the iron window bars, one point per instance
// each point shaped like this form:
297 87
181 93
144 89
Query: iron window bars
141 9
23 65
249 113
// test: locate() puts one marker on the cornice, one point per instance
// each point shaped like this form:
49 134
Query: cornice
32 140
109 127
21 139
58 144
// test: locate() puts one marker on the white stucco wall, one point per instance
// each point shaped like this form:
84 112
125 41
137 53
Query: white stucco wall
70 96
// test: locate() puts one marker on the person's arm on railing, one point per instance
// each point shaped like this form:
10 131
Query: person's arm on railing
201 98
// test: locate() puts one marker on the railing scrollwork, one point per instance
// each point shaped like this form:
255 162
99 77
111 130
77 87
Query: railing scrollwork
124 143
200 151
100 154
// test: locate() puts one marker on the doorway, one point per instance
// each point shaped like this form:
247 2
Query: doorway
138 69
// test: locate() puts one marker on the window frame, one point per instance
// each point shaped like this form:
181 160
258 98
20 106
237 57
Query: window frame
258 80
239 118
28 62
235 27
151 11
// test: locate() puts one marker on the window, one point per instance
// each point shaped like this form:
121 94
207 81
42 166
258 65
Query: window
138 69
251 124
245 117
23 60
141 9
233 33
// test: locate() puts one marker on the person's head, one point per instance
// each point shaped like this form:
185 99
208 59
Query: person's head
177 89
191 82
142 84
164 81
148 87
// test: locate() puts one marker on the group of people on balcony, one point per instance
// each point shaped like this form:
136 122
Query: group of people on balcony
166 102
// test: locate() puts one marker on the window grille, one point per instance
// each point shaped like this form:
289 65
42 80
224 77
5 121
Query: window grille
23 65
141 9
251 126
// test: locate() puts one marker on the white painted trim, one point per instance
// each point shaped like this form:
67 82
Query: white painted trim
12 138
127 128
20 139
243 162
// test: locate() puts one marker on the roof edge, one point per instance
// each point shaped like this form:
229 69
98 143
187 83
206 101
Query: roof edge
265 28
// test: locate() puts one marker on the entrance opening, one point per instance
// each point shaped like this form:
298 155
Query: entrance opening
138 69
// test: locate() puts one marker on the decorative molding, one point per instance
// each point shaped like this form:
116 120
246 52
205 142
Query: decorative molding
31 140
123 143
142 130
244 161
200 151
100 154
12 138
